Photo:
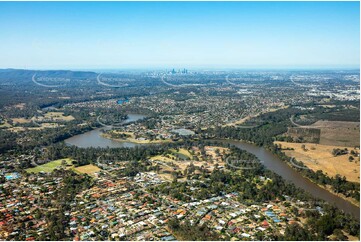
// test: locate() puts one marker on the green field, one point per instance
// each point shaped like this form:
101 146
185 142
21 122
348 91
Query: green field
182 153
50 166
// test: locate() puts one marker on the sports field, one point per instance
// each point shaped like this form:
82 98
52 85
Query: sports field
50 166
87 169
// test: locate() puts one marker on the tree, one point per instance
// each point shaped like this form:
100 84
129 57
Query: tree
339 235
64 163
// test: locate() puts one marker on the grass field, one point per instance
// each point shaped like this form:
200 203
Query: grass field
43 126
5 125
87 169
161 158
58 116
182 152
21 120
53 116
176 164
211 151
50 166
319 157
50 125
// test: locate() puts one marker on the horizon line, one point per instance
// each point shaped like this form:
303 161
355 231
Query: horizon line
350 67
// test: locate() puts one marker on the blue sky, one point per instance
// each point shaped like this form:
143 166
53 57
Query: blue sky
76 35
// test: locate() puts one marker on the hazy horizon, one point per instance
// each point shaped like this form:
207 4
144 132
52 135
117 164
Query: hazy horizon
357 68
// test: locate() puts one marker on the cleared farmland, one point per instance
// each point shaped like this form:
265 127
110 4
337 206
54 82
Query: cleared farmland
319 157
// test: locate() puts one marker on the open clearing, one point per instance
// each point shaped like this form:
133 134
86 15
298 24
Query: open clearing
87 169
182 153
21 120
5 125
170 163
50 166
58 116
20 106
161 158
49 120
132 138
50 125
43 126
319 157
339 133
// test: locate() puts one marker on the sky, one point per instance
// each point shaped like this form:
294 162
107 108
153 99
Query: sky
118 35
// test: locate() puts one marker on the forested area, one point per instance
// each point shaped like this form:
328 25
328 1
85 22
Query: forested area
22 141
334 114
274 124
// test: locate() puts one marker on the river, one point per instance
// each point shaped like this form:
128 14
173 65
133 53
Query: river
273 163
94 139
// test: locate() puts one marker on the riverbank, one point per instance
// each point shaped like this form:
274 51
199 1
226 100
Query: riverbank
329 188
351 200
132 139
94 138
274 163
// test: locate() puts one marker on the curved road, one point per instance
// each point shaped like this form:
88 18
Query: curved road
108 85
43 85
302 126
